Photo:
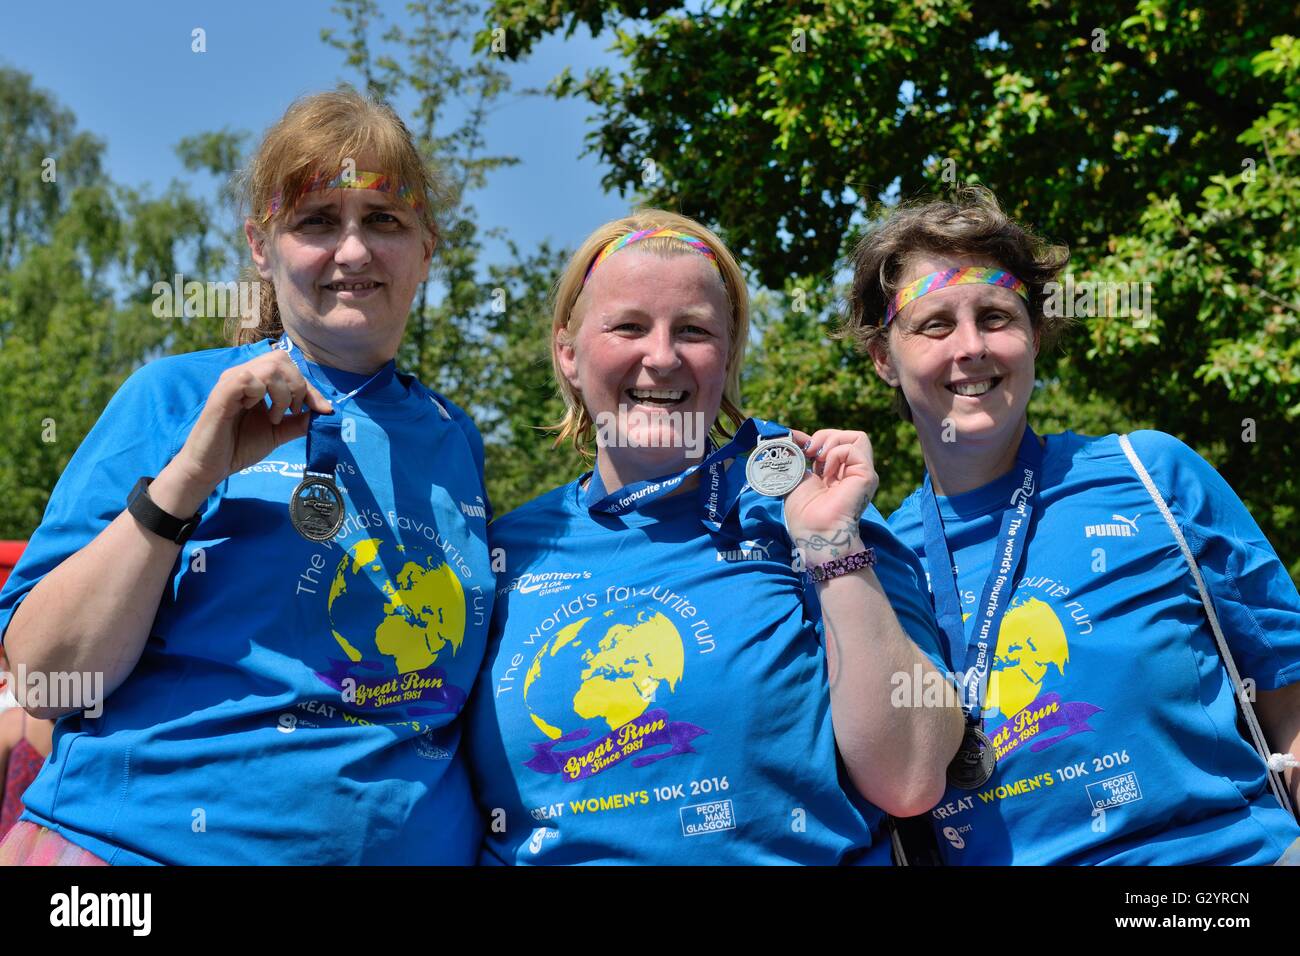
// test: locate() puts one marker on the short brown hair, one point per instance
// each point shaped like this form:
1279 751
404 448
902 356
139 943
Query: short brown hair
321 132
970 224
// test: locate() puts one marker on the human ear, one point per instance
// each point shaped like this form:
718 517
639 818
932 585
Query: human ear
257 249
883 361
567 355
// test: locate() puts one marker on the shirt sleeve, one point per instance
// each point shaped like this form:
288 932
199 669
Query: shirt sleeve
903 579
139 432
1253 595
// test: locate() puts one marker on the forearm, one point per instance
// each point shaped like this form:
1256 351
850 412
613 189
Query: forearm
896 757
94 611
1279 717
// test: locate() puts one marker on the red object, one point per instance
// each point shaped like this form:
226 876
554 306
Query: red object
24 764
9 552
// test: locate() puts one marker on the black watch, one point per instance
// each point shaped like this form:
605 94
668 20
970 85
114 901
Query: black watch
161 523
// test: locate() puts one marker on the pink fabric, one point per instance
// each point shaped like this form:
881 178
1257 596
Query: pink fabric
28 844
24 764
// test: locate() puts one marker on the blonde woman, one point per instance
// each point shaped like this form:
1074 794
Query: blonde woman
694 652
274 555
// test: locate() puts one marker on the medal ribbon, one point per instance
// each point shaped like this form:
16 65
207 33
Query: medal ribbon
325 434
718 493
1001 578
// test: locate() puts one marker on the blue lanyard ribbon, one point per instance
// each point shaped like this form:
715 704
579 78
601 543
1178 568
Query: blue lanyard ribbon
325 433
996 596
719 491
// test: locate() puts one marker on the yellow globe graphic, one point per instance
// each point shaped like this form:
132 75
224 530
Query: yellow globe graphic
613 680
1030 641
386 601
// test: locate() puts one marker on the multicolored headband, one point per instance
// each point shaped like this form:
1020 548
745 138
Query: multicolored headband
358 179
695 242
950 277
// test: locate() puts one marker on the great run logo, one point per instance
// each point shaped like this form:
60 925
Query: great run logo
295 469
1120 528
1020 497
547 582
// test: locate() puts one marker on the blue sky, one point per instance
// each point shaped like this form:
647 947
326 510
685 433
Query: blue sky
128 74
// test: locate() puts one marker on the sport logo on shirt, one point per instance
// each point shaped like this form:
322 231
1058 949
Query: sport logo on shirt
753 550
607 679
1126 528
398 615
1031 645
540 834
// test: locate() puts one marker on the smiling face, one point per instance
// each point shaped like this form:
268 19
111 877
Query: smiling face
346 264
652 336
963 354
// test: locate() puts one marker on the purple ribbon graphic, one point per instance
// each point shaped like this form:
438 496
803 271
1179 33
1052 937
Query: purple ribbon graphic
651 729
1072 716
370 675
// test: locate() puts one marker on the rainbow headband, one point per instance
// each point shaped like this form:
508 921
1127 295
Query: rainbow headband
360 179
950 277
622 242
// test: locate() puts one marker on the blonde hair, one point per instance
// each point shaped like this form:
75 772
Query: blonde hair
321 133
577 426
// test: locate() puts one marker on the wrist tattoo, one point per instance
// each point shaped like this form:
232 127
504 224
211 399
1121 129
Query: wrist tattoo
837 544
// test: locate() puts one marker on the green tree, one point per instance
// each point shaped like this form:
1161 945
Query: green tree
477 332
74 246
80 258
1121 129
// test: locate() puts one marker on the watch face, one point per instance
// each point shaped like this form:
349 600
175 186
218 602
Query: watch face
187 530
153 518
137 491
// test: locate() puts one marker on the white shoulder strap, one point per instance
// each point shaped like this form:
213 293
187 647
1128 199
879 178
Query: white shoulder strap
1275 762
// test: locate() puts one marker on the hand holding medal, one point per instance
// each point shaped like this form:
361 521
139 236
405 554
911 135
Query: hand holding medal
829 501
237 428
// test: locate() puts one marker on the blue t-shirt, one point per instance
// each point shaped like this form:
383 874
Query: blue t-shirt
1112 714
655 693
296 702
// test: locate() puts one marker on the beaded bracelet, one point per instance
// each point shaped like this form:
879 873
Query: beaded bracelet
844 565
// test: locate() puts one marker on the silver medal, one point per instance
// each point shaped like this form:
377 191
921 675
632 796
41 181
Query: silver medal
975 760
775 467
316 508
